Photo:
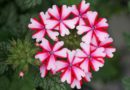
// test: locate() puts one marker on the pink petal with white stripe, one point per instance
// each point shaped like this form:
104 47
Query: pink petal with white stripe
51 24
70 23
54 11
77 60
76 83
109 52
39 35
53 35
92 16
101 35
43 71
81 21
87 37
42 56
66 76
63 30
102 23
51 63
61 65
65 11
85 47
80 53
107 41
82 29
58 45
71 56
96 65
84 6
78 73
85 65
45 44
35 24
99 52
88 76
75 10
61 53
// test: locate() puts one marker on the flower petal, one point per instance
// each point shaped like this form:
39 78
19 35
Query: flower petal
87 37
65 11
78 73
70 23
109 52
42 56
76 83
77 60
39 35
45 44
81 21
80 54
63 30
106 42
85 65
54 12
58 45
85 47
51 24
60 65
84 6
102 23
43 71
96 64
99 52
88 76
35 25
91 16
71 55
101 35
51 63
82 29
75 10
66 76
61 53
53 35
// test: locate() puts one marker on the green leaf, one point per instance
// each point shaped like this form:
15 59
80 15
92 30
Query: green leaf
126 82
4 83
69 2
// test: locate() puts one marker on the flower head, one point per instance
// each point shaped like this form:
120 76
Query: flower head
94 27
70 68
59 19
50 53
40 28
80 12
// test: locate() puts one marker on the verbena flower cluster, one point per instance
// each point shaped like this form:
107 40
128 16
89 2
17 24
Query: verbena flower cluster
76 65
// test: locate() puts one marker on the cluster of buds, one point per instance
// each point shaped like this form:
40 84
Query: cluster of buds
76 65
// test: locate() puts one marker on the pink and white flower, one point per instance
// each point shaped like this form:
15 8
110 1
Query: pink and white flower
40 28
50 53
59 19
70 69
94 59
80 12
94 27
106 44
78 84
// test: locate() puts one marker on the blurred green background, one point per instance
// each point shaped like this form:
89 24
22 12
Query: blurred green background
17 49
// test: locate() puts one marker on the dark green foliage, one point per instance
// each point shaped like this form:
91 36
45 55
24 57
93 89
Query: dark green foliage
127 39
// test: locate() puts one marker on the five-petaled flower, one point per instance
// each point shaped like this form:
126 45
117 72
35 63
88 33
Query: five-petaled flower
40 27
70 68
59 19
92 59
50 53
80 12
94 27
